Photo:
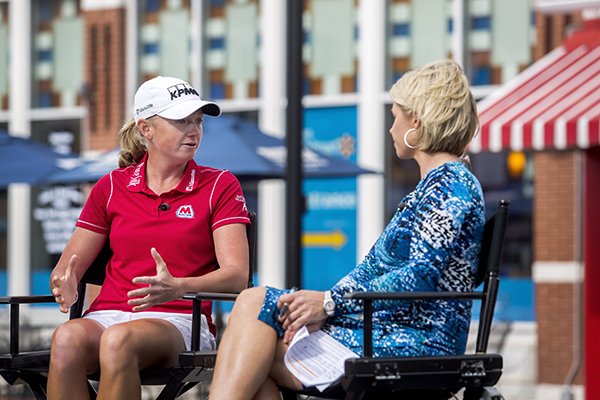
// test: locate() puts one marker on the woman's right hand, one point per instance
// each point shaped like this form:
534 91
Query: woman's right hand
305 308
64 286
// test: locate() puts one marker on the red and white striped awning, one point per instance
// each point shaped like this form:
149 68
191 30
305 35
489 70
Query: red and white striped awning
554 104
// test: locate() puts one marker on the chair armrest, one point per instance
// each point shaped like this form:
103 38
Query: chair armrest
14 321
368 298
414 295
26 299
197 299
211 296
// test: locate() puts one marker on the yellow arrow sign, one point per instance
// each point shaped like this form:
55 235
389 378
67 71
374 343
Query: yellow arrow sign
335 239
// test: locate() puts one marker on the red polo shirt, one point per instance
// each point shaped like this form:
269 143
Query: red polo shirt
122 206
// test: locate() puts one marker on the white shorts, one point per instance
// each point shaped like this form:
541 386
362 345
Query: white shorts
183 322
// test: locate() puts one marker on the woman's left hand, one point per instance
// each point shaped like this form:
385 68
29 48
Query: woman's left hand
161 288
305 308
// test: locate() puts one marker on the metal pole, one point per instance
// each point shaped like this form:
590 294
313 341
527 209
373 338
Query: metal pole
19 194
294 195
271 120
466 34
371 136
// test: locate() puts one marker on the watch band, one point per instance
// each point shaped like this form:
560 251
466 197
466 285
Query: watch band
328 304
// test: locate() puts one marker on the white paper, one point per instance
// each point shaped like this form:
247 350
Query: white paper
316 359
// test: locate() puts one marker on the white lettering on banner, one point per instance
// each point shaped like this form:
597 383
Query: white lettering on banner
46 215
60 196
61 141
343 146
331 200
278 155
57 210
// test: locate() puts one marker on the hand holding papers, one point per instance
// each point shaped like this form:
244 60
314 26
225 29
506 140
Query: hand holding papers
316 359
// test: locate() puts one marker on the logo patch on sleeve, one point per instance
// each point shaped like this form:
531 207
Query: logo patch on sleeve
186 211
243 201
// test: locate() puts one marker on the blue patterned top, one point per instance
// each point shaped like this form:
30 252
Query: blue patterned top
432 243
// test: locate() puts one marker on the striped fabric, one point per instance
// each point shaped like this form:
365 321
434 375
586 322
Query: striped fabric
554 104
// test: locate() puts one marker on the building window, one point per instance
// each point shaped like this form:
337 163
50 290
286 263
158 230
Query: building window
499 41
231 56
330 47
165 39
57 53
418 32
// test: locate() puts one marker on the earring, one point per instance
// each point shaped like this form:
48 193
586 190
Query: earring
406 141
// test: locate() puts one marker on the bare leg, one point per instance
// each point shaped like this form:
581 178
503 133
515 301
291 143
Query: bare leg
267 391
127 348
74 354
248 354
279 375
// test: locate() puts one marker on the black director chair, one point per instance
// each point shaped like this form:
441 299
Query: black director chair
31 368
429 378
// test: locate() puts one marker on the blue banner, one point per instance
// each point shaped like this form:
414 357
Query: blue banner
329 225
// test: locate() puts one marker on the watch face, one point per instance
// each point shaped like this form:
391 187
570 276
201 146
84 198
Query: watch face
329 305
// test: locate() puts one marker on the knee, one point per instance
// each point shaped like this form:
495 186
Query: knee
249 300
115 341
70 345
117 349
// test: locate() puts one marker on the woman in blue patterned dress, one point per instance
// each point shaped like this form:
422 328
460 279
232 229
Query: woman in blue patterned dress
431 244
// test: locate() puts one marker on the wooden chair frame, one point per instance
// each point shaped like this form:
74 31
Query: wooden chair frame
436 377
194 366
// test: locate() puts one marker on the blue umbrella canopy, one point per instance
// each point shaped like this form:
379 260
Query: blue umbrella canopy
234 144
239 146
26 161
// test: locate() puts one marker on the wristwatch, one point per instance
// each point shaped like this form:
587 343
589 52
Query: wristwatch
328 304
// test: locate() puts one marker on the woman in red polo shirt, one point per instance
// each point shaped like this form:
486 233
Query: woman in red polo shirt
170 223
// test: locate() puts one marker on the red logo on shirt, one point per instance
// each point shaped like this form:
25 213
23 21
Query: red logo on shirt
185 211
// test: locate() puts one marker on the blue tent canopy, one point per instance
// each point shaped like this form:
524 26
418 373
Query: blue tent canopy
26 161
234 144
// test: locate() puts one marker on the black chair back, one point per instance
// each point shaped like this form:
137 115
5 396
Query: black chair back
488 272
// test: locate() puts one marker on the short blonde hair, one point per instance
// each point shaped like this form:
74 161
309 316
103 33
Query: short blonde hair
438 95
133 144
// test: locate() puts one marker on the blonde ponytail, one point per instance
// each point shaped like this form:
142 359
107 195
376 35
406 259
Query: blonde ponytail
132 144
